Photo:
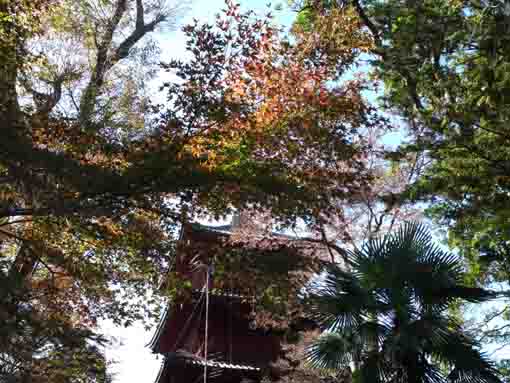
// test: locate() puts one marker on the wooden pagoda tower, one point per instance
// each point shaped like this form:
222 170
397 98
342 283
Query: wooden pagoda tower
234 349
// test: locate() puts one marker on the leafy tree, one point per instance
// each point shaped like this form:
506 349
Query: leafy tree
89 201
40 344
114 55
387 314
376 209
59 271
444 67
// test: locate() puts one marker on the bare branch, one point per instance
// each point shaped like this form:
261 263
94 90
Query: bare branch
102 65
106 61
105 42
140 22
371 26
324 238
331 246
46 102
8 223
140 31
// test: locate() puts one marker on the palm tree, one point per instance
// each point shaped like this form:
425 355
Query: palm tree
386 314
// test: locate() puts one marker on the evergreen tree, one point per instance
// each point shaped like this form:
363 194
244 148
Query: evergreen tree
386 313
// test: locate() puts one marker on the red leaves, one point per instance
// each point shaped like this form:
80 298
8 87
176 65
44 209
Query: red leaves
252 99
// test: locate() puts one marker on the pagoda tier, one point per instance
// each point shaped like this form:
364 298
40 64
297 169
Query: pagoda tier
231 336
180 370
236 351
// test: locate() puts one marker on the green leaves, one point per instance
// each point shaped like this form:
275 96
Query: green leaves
444 65
331 351
387 313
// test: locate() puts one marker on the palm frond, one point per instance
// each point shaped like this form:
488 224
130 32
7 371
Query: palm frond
372 333
409 258
338 301
376 369
469 365
431 373
432 329
388 312
331 351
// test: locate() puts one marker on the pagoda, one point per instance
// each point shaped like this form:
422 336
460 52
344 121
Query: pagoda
210 332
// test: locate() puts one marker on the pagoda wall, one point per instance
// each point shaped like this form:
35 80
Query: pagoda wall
230 336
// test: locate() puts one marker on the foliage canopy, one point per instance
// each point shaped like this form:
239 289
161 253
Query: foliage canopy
387 314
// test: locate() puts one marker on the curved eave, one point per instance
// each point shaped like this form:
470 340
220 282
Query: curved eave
223 365
154 343
220 230
214 365
161 372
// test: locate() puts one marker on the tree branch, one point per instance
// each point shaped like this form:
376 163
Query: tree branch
104 63
97 79
371 26
140 22
46 102
140 31
342 252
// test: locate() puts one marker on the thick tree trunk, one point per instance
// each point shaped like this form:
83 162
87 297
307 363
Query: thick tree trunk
10 114
9 61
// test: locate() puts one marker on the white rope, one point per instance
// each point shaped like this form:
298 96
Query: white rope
206 321
196 308
231 321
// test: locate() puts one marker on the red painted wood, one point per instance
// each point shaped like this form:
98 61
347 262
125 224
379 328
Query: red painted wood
229 333
231 337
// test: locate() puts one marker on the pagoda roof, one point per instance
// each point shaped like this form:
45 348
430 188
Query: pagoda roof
153 344
224 365
221 230
230 228
184 358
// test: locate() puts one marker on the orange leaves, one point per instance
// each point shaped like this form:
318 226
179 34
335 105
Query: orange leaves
336 36
253 100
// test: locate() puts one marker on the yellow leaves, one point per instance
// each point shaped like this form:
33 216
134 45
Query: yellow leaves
109 227
143 228
337 33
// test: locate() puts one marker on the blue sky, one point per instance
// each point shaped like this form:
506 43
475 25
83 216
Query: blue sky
135 362
172 43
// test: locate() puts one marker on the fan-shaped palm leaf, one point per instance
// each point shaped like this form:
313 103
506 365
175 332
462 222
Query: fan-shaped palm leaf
387 313
339 301
332 351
